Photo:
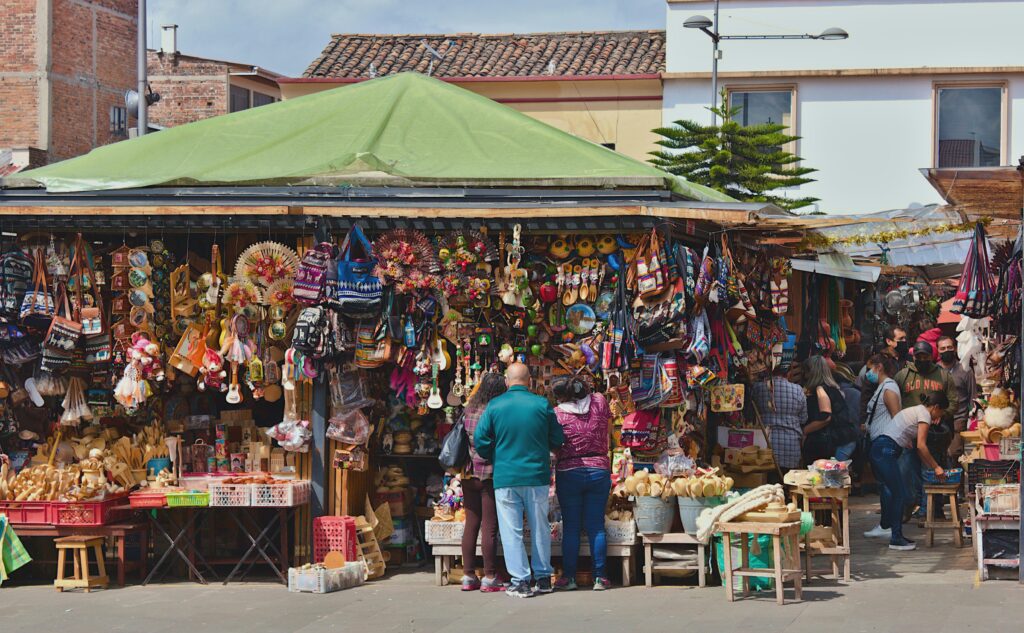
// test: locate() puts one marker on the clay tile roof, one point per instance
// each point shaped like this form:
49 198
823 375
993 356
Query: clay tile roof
349 56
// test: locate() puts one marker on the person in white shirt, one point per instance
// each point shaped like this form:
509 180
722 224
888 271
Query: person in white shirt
906 427
882 405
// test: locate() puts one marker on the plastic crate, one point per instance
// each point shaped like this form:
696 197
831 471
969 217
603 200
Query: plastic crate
320 580
86 513
953 476
26 512
444 532
230 495
189 499
984 471
1003 499
334 534
151 499
282 495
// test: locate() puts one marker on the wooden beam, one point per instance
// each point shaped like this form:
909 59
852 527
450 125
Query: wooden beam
144 210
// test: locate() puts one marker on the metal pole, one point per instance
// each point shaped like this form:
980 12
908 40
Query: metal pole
318 446
143 119
714 67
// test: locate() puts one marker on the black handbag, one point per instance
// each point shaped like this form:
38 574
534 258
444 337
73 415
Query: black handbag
454 447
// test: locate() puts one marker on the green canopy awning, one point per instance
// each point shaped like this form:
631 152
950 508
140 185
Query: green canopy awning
401 130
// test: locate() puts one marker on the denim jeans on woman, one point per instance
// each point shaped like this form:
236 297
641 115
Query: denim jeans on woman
512 503
582 495
885 457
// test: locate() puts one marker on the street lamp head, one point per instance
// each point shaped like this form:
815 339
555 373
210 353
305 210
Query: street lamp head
833 33
698 22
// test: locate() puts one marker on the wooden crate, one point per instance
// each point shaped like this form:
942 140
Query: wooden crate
369 549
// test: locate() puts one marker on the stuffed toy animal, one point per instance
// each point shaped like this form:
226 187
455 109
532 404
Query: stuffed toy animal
212 372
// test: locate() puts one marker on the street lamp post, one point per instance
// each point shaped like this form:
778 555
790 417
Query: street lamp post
710 27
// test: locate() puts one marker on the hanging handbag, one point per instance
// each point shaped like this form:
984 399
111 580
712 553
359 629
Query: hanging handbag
37 307
975 296
311 276
91 317
65 332
16 273
359 291
454 447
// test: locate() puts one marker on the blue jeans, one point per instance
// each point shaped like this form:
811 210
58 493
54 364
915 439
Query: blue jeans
911 469
512 503
583 494
885 464
845 452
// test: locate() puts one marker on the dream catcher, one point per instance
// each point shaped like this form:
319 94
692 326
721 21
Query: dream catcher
407 260
267 262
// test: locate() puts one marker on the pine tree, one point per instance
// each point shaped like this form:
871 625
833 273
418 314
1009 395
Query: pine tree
745 162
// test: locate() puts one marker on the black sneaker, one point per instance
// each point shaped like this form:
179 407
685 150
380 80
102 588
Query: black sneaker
543 586
903 545
519 590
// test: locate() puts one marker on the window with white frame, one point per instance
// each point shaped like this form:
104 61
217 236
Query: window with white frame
764 106
969 126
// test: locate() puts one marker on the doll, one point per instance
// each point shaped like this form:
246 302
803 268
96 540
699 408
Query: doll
213 373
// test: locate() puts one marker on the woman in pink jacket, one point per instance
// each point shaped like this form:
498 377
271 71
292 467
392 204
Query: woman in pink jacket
582 476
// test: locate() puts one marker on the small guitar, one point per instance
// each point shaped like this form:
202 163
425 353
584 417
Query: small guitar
457 391
440 356
434 401
235 390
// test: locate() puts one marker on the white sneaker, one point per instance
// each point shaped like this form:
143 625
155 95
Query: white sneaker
878 532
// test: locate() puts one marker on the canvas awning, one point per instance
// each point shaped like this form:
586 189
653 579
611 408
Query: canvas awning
838 265
404 130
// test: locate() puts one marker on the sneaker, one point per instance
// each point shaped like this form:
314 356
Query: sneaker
519 590
470 583
492 585
878 532
565 584
600 584
543 585
903 546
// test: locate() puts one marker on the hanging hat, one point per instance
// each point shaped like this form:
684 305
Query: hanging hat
27 435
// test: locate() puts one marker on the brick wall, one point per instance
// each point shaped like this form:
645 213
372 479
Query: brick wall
92 62
19 87
190 89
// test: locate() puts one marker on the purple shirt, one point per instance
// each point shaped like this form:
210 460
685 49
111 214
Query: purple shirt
477 466
586 436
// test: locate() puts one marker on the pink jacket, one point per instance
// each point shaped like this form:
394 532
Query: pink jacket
585 425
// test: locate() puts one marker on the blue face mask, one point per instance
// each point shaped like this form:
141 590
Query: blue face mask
871 376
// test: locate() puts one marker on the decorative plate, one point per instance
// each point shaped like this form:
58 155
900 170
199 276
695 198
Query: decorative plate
580 318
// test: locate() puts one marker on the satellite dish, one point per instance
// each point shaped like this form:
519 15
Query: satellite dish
131 101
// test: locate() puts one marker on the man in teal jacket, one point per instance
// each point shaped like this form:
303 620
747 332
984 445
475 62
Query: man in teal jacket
517 433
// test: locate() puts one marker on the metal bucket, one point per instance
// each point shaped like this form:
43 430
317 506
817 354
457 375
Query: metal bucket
690 508
653 516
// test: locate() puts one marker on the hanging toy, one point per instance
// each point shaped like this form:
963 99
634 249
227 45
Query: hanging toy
212 372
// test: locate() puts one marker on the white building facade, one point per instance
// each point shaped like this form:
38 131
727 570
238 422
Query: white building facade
918 83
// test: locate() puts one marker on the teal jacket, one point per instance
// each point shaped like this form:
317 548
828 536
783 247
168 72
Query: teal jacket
517 433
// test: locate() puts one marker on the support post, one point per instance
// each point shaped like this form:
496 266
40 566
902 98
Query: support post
318 446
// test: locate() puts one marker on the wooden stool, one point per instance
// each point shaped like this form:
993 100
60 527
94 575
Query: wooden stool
786 565
832 540
79 546
934 493
652 565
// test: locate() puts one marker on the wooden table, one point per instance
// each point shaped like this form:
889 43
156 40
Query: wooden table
837 502
788 533
116 532
445 552
652 565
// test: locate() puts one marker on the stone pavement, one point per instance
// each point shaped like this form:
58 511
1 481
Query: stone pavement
927 591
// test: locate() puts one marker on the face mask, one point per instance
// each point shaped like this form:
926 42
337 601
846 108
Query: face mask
948 357
901 348
924 366
872 376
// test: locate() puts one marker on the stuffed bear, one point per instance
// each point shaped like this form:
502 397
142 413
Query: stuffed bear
213 374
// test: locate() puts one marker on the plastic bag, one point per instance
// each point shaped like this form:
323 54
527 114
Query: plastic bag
674 464
349 427
347 391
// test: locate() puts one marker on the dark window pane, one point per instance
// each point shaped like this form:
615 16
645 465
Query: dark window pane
258 99
239 99
970 127
763 107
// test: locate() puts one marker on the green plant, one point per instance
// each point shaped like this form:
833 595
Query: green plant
745 162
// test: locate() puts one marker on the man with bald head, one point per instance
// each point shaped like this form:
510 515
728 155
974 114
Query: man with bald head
517 433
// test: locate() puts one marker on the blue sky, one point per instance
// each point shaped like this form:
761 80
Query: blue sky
286 35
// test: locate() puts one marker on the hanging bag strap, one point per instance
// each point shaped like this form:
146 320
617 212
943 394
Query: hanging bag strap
346 246
39 274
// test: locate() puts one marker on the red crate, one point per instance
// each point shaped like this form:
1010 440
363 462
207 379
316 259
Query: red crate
87 513
26 512
334 534
142 500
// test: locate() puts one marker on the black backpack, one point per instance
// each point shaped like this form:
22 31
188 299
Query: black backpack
312 332
15 278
